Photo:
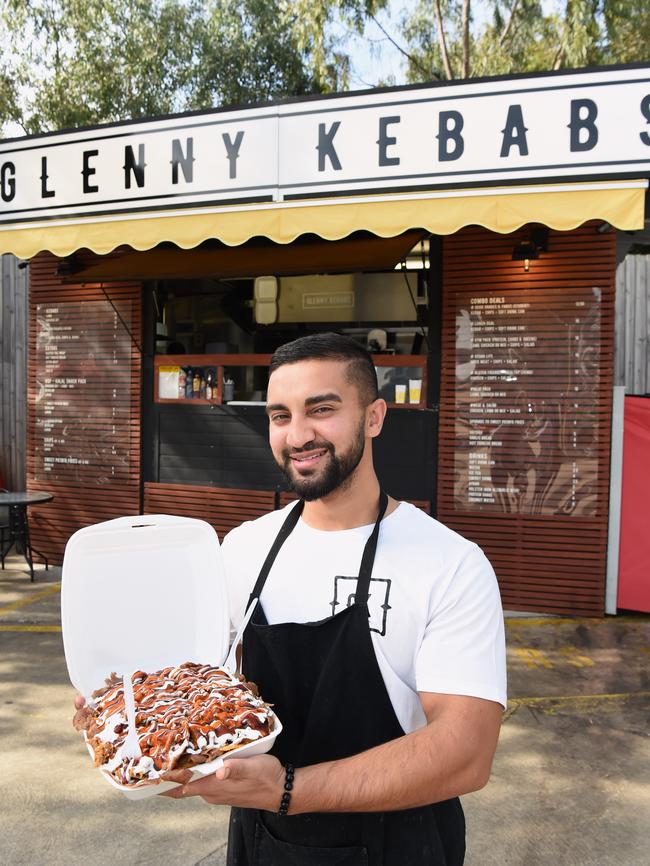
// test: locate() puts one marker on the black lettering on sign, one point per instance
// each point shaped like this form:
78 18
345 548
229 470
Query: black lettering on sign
87 171
514 132
584 132
385 141
232 150
7 181
450 140
325 146
183 159
133 167
45 192
645 111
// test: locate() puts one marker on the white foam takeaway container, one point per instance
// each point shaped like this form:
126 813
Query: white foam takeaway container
142 593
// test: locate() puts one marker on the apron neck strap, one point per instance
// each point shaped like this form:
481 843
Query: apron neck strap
285 531
369 551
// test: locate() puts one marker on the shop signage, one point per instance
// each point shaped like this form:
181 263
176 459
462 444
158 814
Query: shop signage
528 369
82 428
561 126
315 300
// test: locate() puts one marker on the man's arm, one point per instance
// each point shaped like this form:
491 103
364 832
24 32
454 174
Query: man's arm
451 755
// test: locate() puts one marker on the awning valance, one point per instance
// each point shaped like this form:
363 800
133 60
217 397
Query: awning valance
503 209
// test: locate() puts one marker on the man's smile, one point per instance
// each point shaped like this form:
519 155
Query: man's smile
308 458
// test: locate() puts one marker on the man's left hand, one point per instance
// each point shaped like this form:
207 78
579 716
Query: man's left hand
253 783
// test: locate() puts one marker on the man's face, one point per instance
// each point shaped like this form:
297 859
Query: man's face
316 426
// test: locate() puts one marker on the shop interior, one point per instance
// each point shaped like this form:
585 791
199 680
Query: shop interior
214 319
213 335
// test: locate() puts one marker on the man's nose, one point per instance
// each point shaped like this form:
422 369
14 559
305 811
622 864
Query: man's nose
300 432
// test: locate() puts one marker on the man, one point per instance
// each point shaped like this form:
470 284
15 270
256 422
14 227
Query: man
378 638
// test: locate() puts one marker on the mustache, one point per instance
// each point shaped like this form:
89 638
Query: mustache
310 446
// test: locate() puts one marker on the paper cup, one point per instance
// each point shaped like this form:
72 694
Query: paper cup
415 390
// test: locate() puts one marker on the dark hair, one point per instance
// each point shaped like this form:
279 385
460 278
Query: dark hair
333 347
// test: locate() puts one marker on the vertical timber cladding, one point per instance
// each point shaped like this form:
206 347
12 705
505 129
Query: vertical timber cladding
526 410
84 403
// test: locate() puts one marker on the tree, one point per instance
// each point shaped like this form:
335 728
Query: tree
93 61
628 29
442 41
87 61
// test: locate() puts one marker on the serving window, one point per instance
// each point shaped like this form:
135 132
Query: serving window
214 337
242 379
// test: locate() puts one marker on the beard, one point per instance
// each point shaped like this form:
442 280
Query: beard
337 473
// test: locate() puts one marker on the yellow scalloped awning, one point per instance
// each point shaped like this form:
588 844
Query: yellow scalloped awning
558 206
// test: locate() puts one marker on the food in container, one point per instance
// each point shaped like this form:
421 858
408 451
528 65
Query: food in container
161 577
184 715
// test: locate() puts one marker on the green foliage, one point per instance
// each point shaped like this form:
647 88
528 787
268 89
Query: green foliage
93 61
628 30
247 50
522 36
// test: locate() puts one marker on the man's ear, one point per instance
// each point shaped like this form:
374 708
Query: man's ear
375 414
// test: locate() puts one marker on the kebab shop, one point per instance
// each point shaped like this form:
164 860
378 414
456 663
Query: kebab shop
464 232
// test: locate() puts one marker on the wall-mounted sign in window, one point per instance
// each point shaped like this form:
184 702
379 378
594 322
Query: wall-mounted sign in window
528 366
82 397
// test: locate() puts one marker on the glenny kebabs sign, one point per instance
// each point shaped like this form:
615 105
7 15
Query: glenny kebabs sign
573 125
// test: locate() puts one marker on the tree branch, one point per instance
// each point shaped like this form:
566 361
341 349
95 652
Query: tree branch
442 41
506 30
410 57
465 29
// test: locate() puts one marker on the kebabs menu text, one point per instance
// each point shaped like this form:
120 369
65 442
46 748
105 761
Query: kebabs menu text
527 371
82 392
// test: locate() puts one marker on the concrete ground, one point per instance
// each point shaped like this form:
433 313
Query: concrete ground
570 785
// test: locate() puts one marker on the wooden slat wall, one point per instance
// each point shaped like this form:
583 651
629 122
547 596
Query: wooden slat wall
633 324
217 447
223 508
550 558
102 424
13 372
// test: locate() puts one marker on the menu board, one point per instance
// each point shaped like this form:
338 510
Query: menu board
81 429
527 376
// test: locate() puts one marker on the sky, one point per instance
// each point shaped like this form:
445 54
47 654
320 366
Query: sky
375 59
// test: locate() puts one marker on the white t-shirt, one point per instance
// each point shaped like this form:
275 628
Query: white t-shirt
435 611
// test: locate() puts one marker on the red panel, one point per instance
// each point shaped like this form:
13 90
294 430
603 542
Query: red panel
634 555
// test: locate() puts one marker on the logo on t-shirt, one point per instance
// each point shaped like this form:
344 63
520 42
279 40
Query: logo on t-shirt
378 607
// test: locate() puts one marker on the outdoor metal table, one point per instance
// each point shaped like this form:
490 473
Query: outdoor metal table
18 528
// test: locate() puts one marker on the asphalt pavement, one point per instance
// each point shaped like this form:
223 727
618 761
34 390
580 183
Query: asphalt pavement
570 783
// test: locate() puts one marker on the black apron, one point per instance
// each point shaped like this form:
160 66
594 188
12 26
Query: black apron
325 684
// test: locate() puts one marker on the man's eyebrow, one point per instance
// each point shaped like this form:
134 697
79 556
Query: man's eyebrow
323 398
274 407
310 401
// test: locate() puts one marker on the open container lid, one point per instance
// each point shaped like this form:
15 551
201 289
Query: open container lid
142 592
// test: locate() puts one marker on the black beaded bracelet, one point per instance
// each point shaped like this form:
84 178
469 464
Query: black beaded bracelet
289 773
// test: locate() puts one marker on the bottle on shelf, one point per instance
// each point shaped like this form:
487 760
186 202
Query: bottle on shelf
181 383
196 384
209 385
228 388
189 379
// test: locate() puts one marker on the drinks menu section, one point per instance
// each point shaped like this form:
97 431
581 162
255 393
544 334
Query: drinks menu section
527 374
83 392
